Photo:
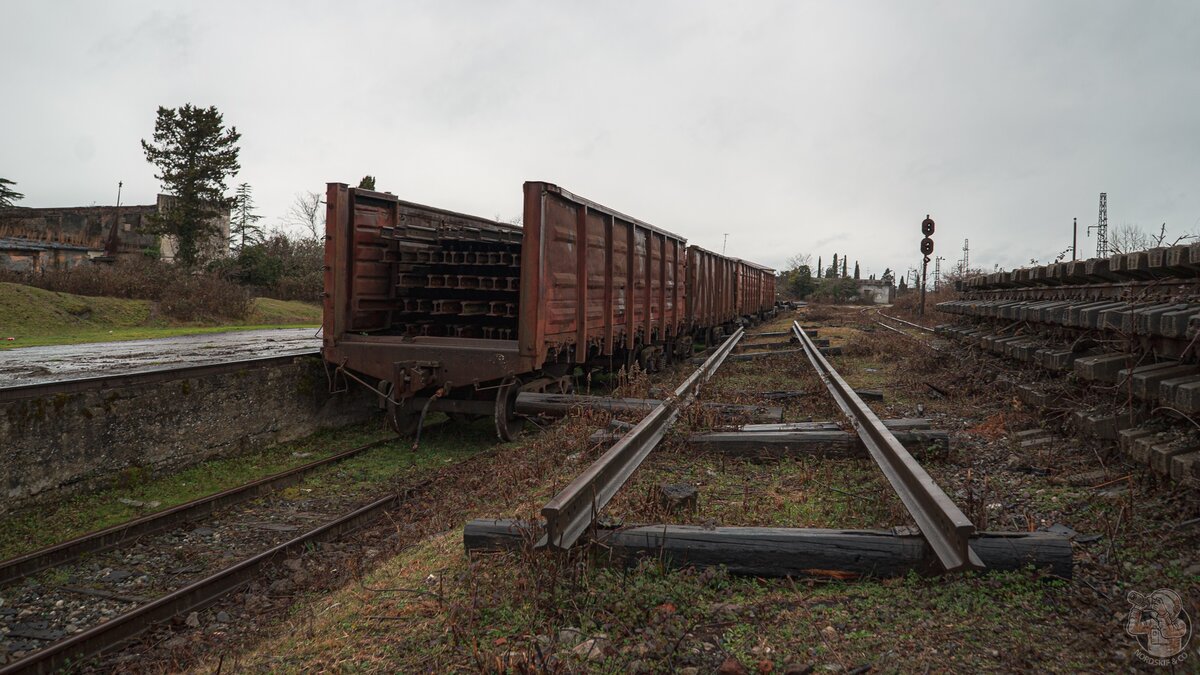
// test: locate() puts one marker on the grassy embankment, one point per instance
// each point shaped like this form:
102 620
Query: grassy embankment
32 316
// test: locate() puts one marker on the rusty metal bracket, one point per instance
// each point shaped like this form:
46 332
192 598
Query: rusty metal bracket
942 523
569 514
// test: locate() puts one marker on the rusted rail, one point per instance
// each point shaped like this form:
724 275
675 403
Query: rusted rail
927 329
152 376
941 522
78 649
571 511
111 537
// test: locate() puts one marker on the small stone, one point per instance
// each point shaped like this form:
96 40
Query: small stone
830 633
637 666
592 649
202 531
569 637
59 603
690 670
292 564
193 620
831 668
1190 571
223 617
678 497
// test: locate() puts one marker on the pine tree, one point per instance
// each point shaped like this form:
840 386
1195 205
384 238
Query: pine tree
367 183
7 194
243 230
195 154
856 270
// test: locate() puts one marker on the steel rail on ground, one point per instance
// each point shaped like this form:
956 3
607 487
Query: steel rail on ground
54 555
75 652
927 329
941 522
569 514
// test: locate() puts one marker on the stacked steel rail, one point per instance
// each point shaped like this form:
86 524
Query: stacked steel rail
1129 322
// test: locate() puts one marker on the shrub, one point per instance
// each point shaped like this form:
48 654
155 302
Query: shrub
180 294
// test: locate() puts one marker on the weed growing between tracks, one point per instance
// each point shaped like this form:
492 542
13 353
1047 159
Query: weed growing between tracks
139 492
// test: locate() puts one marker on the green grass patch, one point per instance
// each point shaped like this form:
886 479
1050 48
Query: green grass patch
33 317
497 613
25 531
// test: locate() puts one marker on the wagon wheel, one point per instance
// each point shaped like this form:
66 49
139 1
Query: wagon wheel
650 359
508 423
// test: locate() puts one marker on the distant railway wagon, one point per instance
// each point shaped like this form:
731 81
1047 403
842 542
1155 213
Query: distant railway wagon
455 313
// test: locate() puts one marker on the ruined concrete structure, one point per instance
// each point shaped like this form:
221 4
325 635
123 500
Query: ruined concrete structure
59 444
37 239
876 292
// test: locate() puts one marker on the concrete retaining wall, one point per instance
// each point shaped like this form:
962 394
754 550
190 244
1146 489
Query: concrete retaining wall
55 444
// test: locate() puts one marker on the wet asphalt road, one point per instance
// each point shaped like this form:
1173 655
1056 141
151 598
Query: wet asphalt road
29 365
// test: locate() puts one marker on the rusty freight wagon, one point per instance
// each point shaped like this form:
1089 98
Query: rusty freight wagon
444 311
755 290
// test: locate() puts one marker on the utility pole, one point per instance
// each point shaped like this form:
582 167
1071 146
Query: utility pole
966 259
724 243
937 273
110 245
1074 236
1101 228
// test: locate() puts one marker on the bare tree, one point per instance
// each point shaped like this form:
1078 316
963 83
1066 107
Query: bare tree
1127 239
306 213
1131 238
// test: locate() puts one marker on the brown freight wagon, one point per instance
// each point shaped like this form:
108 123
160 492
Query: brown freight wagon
755 290
457 313
711 294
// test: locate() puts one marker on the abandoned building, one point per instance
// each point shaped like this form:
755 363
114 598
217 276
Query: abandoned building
876 292
38 239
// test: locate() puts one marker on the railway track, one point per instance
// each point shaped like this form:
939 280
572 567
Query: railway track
156 542
944 540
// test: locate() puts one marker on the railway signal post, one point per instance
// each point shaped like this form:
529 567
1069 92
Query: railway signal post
926 250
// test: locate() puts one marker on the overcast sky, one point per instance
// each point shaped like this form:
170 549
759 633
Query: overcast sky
796 127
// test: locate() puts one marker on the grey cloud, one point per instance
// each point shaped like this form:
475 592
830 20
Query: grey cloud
797 127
